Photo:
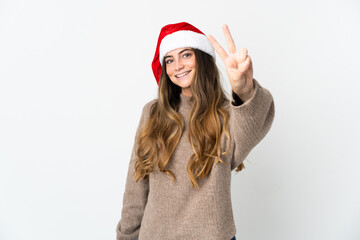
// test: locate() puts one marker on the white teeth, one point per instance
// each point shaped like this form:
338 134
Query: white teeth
183 74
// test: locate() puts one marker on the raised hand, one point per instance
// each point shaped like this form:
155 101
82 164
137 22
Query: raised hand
238 66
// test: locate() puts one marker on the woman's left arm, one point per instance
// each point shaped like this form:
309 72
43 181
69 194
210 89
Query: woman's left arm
252 111
250 122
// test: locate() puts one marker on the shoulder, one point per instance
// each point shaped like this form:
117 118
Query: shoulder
149 104
147 107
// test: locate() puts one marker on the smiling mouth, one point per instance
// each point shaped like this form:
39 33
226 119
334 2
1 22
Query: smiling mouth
182 74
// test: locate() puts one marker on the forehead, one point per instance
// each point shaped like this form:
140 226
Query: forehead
177 51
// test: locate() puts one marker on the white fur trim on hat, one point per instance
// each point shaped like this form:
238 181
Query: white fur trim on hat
185 38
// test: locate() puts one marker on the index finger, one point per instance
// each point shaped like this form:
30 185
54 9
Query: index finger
217 47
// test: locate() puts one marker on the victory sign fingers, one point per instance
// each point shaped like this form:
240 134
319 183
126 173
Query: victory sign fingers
238 64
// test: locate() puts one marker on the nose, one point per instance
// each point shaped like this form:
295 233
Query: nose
178 65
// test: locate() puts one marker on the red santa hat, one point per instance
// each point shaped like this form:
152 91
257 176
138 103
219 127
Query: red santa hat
178 35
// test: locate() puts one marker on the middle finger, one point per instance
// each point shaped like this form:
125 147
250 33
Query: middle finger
229 41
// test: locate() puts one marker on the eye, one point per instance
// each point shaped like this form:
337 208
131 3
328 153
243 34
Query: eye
187 55
168 61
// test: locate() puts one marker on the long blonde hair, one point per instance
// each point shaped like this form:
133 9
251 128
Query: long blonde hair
207 122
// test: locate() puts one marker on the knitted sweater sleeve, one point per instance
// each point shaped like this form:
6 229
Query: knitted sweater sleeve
250 121
135 196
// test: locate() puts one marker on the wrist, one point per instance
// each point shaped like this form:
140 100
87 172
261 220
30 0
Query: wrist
248 95
244 96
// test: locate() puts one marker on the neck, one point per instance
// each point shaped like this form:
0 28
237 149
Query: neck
186 91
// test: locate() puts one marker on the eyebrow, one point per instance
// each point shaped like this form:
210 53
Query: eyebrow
178 53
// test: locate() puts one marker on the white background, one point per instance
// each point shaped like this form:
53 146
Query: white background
74 76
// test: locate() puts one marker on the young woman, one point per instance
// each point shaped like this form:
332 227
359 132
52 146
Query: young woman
190 138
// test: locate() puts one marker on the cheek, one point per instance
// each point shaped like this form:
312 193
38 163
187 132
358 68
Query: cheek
193 63
193 68
169 70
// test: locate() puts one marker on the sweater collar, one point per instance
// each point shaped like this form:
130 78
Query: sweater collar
186 101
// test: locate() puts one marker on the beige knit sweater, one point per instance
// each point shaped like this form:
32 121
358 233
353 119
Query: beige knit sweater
159 209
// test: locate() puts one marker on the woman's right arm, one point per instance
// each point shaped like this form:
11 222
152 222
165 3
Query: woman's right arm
134 198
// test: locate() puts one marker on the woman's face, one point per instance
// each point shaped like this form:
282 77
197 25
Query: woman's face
180 67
